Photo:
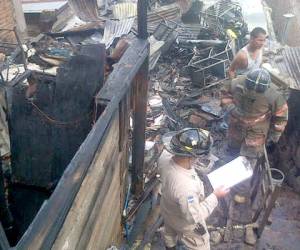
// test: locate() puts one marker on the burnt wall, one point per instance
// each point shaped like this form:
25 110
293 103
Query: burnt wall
49 119
48 127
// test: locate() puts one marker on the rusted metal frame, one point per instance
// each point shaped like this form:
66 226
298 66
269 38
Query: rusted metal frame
4 245
270 196
47 224
270 206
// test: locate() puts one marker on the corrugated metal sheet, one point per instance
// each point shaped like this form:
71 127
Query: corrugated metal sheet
115 29
289 62
124 10
86 10
165 13
38 7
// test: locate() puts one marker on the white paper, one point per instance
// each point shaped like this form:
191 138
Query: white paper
231 173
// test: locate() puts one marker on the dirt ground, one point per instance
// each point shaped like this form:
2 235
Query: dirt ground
282 234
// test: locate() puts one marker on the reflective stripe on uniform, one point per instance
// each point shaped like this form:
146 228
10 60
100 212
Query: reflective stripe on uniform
280 127
252 121
282 111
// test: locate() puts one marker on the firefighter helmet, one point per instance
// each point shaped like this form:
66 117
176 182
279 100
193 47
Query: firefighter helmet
258 80
188 142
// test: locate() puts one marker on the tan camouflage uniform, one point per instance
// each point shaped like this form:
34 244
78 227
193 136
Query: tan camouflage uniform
254 118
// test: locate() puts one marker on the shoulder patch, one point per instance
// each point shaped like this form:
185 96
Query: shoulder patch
190 199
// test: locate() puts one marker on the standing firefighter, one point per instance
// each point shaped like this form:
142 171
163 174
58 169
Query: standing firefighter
184 207
258 113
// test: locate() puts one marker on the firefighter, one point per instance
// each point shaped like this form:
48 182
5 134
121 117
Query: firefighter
258 112
249 57
183 205
258 115
5 167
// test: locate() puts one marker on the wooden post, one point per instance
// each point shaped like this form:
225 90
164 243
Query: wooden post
139 122
140 106
142 19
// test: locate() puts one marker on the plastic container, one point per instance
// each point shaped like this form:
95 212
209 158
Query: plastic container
277 176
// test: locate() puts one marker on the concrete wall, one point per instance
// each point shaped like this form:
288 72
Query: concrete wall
279 8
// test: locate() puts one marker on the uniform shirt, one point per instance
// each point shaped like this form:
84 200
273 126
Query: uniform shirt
4 133
183 203
250 105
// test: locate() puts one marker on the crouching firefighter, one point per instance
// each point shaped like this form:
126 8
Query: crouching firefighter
183 205
258 115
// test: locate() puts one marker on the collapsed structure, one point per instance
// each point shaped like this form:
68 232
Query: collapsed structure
81 90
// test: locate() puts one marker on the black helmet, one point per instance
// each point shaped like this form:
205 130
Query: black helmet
258 80
188 142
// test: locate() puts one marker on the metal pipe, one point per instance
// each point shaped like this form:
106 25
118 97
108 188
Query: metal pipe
288 17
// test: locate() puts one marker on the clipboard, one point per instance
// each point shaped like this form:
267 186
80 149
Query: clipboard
231 174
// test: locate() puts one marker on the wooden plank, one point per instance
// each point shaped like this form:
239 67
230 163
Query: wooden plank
106 217
125 70
95 212
89 191
45 227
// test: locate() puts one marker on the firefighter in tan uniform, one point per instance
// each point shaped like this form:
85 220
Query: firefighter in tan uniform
5 169
183 205
258 114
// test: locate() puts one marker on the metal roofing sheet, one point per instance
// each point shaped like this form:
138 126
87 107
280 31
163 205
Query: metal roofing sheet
289 63
124 10
86 10
38 7
115 29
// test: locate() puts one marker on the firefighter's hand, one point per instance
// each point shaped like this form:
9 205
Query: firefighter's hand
221 192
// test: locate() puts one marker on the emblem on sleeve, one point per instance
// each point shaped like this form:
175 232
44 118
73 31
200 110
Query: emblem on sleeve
190 199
